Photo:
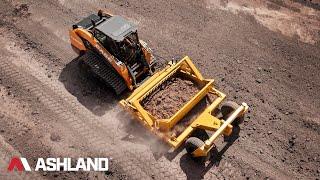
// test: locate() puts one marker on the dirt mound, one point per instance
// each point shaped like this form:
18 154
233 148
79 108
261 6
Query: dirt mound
170 97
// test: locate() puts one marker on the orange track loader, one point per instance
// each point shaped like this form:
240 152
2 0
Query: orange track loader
110 47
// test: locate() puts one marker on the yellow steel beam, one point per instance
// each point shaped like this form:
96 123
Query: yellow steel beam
203 151
205 120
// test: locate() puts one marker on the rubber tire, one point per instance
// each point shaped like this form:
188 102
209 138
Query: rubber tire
200 134
193 143
227 109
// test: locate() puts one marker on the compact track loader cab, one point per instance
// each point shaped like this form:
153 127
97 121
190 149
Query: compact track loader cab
110 47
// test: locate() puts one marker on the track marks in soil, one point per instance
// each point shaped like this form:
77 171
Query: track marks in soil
69 112
230 59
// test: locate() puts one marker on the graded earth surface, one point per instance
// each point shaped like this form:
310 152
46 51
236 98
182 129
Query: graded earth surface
265 53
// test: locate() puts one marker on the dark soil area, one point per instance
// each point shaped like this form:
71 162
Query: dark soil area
265 53
170 97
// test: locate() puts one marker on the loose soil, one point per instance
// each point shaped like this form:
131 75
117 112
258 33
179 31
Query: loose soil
256 55
192 115
170 97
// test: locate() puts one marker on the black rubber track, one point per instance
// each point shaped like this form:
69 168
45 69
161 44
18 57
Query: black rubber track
104 71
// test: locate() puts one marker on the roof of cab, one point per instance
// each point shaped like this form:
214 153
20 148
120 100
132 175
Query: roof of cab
116 27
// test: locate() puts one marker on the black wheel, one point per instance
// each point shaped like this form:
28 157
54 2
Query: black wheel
191 145
104 71
200 134
227 109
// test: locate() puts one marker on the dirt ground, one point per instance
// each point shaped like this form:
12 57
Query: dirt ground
265 53
166 100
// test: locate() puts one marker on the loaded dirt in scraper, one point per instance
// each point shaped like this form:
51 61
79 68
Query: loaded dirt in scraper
170 96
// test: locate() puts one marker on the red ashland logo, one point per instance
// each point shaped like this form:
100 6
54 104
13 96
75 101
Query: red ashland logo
19 163
60 164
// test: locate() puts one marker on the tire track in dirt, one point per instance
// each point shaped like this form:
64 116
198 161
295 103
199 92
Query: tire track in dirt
54 102
141 161
34 132
262 108
109 130
88 125
6 153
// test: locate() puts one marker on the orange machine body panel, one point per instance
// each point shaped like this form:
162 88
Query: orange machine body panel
76 36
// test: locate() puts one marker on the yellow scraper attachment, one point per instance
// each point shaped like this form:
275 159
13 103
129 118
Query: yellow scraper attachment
161 127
